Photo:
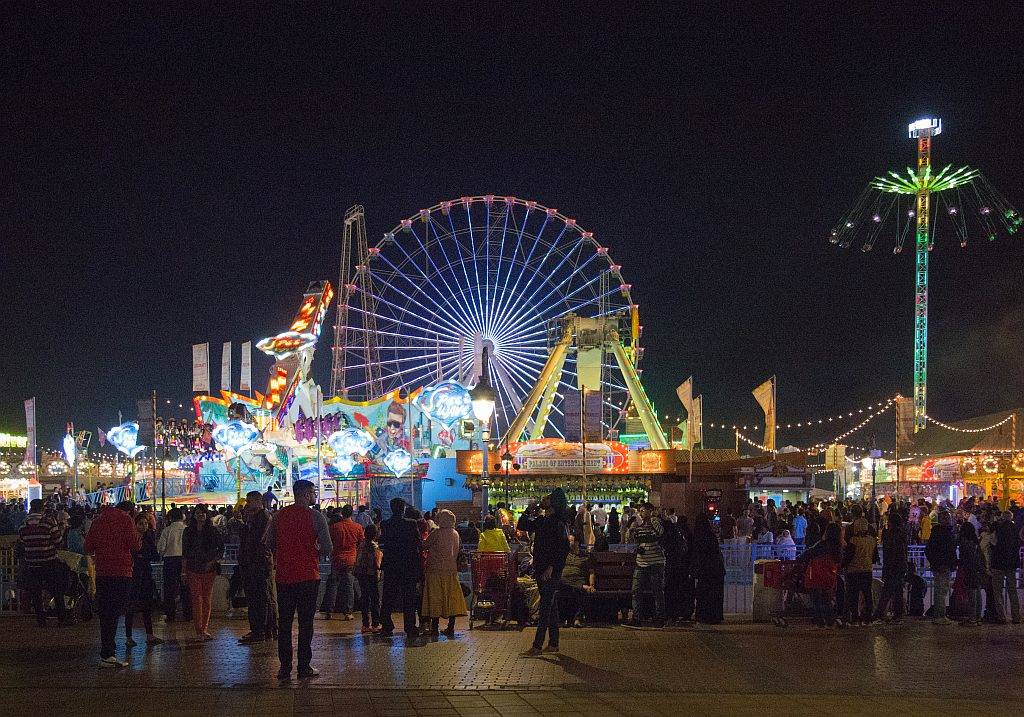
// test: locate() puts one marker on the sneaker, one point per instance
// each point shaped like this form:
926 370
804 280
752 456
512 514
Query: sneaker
450 634
551 649
308 673
942 621
532 652
112 662
250 638
154 640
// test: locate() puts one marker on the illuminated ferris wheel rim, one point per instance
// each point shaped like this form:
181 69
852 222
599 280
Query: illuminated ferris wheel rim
448 328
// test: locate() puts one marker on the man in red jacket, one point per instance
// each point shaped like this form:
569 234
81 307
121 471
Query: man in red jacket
299 537
111 541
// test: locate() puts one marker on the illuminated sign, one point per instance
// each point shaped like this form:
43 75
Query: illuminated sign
445 402
235 434
398 461
8 440
349 441
125 437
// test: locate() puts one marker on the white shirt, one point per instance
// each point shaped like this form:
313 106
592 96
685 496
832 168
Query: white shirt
169 545
600 516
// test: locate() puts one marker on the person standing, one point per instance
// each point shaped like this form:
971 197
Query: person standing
707 565
649 573
169 547
895 537
403 569
859 563
970 570
364 517
299 537
367 572
142 596
550 548
442 592
112 540
1005 562
799 527
941 553
40 537
254 566
614 533
202 547
346 535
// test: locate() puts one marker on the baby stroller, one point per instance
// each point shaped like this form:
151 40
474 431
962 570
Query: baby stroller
73 577
493 584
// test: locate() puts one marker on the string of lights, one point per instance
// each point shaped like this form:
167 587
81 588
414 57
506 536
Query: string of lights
753 443
807 423
888 404
968 430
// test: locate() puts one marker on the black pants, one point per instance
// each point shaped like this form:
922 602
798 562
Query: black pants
257 596
44 576
111 602
858 584
892 590
369 587
547 620
400 593
173 588
296 598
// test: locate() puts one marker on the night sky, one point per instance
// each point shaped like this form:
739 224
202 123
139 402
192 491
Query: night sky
171 179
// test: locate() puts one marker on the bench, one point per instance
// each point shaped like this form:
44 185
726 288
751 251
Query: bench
613 586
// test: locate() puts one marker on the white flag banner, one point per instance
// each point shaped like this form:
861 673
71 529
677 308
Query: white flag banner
30 430
695 422
685 393
201 368
245 382
225 367
765 395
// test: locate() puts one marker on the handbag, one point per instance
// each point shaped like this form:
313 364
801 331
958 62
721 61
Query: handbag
821 574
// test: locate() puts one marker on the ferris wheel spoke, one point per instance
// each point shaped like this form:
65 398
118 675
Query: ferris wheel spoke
474 318
423 369
546 278
465 272
578 270
494 301
450 295
445 327
526 264
453 321
576 307
476 268
518 251
440 336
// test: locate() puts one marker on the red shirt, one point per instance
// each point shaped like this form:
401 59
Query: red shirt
296 540
346 535
111 541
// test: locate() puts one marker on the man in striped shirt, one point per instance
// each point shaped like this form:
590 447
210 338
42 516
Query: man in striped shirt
649 573
40 536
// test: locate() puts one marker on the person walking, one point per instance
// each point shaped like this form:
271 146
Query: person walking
112 540
707 565
169 547
402 564
202 547
142 596
649 573
367 572
40 537
299 537
254 566
346 535
895 537
941 554
550 548
442 592
1005 563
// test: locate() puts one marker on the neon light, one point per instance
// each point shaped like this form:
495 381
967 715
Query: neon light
235 434
70 449
125 437
349 441
398 461
445 402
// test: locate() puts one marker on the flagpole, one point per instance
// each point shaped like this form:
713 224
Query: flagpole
896 423
775 410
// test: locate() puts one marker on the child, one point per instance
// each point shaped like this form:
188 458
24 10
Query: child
367 572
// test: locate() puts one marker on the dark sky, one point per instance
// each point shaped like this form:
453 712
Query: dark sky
171 178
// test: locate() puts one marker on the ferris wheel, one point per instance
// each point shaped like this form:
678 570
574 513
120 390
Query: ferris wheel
472 273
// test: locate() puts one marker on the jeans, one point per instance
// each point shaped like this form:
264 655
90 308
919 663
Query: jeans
295 598
40 576
256 585
892 590
858 584
369 586
940 596
111 602
341 576
1005 579
399 592
201 587
173 588
547 622
652 576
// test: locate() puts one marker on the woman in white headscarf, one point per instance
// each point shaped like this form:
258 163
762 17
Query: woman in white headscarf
442 592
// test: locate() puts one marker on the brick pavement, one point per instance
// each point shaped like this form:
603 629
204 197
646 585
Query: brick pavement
732 669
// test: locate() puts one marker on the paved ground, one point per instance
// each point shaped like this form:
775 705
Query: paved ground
734 669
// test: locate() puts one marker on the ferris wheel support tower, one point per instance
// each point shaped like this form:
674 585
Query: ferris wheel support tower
922 130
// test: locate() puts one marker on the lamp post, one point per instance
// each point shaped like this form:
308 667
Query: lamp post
483 398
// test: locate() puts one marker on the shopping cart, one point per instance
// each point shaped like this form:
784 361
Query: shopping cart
493 577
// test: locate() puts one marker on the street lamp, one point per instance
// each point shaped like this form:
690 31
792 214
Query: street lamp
482 397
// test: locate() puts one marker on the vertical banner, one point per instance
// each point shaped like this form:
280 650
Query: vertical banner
835 455
30 430
245 381
201 368
904 422
765 395
685 393
694 424
225 367
575 423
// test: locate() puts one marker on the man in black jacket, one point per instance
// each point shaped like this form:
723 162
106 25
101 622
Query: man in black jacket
1005 561
254 565
402 565
941 554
